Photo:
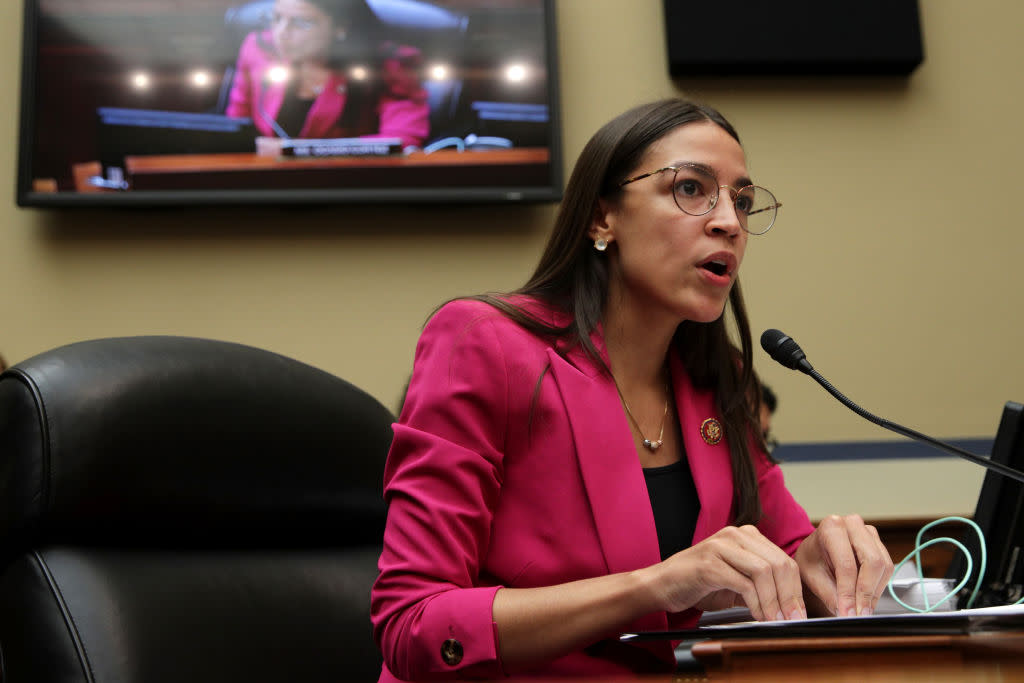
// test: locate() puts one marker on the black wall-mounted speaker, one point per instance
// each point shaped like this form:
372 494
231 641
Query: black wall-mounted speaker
793 37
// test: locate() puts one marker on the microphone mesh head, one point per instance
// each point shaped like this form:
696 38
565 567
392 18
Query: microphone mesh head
770 339
782 348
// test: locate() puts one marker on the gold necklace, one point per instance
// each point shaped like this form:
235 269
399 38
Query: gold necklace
648 444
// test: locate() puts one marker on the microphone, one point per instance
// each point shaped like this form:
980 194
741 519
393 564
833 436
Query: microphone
785 351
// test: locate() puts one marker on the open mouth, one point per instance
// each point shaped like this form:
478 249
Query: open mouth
716 266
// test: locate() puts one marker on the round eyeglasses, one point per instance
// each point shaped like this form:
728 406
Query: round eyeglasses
696 192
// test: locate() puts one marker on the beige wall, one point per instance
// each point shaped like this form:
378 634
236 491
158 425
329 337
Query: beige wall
895 262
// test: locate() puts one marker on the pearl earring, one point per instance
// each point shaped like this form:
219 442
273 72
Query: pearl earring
600 244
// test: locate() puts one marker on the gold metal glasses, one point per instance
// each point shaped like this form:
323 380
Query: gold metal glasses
696 192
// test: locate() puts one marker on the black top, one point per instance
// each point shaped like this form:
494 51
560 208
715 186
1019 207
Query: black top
293 113
675 504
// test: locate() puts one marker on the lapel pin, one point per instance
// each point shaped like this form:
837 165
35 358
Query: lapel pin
711 431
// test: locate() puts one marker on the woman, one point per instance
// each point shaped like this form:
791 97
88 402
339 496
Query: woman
580 457
319 72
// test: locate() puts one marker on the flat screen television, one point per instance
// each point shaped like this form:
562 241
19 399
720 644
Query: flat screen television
201 102
1000 516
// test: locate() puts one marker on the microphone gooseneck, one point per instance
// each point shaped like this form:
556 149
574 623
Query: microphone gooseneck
784 350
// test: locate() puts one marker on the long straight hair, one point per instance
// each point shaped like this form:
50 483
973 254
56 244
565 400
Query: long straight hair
573 277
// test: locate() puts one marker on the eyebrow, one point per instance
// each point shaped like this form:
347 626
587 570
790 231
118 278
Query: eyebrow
740 182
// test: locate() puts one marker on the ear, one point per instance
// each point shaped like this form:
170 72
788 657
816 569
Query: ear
601 224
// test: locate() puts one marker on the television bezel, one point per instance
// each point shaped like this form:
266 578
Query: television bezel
28 197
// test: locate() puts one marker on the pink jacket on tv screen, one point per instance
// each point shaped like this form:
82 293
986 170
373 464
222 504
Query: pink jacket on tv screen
400 110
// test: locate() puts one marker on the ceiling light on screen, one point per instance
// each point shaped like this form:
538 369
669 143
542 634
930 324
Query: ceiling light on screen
516 73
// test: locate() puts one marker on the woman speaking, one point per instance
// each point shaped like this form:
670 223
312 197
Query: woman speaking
321 70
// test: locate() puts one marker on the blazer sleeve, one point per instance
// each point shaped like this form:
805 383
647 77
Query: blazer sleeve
783 520
442 479
240 96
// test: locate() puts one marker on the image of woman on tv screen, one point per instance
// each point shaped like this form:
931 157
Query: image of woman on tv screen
322 70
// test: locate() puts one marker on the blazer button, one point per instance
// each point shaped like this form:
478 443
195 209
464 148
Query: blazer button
451 652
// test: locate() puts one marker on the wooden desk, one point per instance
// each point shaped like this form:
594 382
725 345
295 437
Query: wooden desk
977 657
511 167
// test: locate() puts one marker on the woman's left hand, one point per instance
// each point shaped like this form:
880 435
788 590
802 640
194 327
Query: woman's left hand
844 565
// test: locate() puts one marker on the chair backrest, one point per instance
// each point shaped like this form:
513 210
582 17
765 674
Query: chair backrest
414 21
180 509
438 33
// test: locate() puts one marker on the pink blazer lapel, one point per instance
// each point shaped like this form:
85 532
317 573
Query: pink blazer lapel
607 460
327 108
611 474
709 462
324 112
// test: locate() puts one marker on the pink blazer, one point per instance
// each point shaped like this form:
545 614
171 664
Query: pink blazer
402 111
495 481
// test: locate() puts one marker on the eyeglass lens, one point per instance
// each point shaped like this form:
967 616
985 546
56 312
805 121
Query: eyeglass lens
295 23
696 193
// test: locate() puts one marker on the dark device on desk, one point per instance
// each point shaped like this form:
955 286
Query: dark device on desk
1000 515
123 132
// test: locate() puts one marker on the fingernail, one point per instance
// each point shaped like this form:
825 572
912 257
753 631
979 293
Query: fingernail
779 616
851 612
795 614
867 612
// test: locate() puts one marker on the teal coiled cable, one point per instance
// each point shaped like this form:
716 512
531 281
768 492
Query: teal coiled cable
915 554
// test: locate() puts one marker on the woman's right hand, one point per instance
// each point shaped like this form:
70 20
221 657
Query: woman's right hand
736 566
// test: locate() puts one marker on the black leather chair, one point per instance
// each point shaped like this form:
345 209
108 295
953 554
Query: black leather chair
180 509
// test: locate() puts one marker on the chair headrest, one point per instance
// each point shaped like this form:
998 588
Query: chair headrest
413 21
162 440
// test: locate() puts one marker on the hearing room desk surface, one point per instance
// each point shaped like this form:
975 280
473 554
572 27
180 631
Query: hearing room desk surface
513 167
977 658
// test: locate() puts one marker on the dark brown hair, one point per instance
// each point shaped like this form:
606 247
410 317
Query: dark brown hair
572 276
363 32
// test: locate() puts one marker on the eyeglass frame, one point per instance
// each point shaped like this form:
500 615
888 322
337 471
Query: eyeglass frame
718 194
303 24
